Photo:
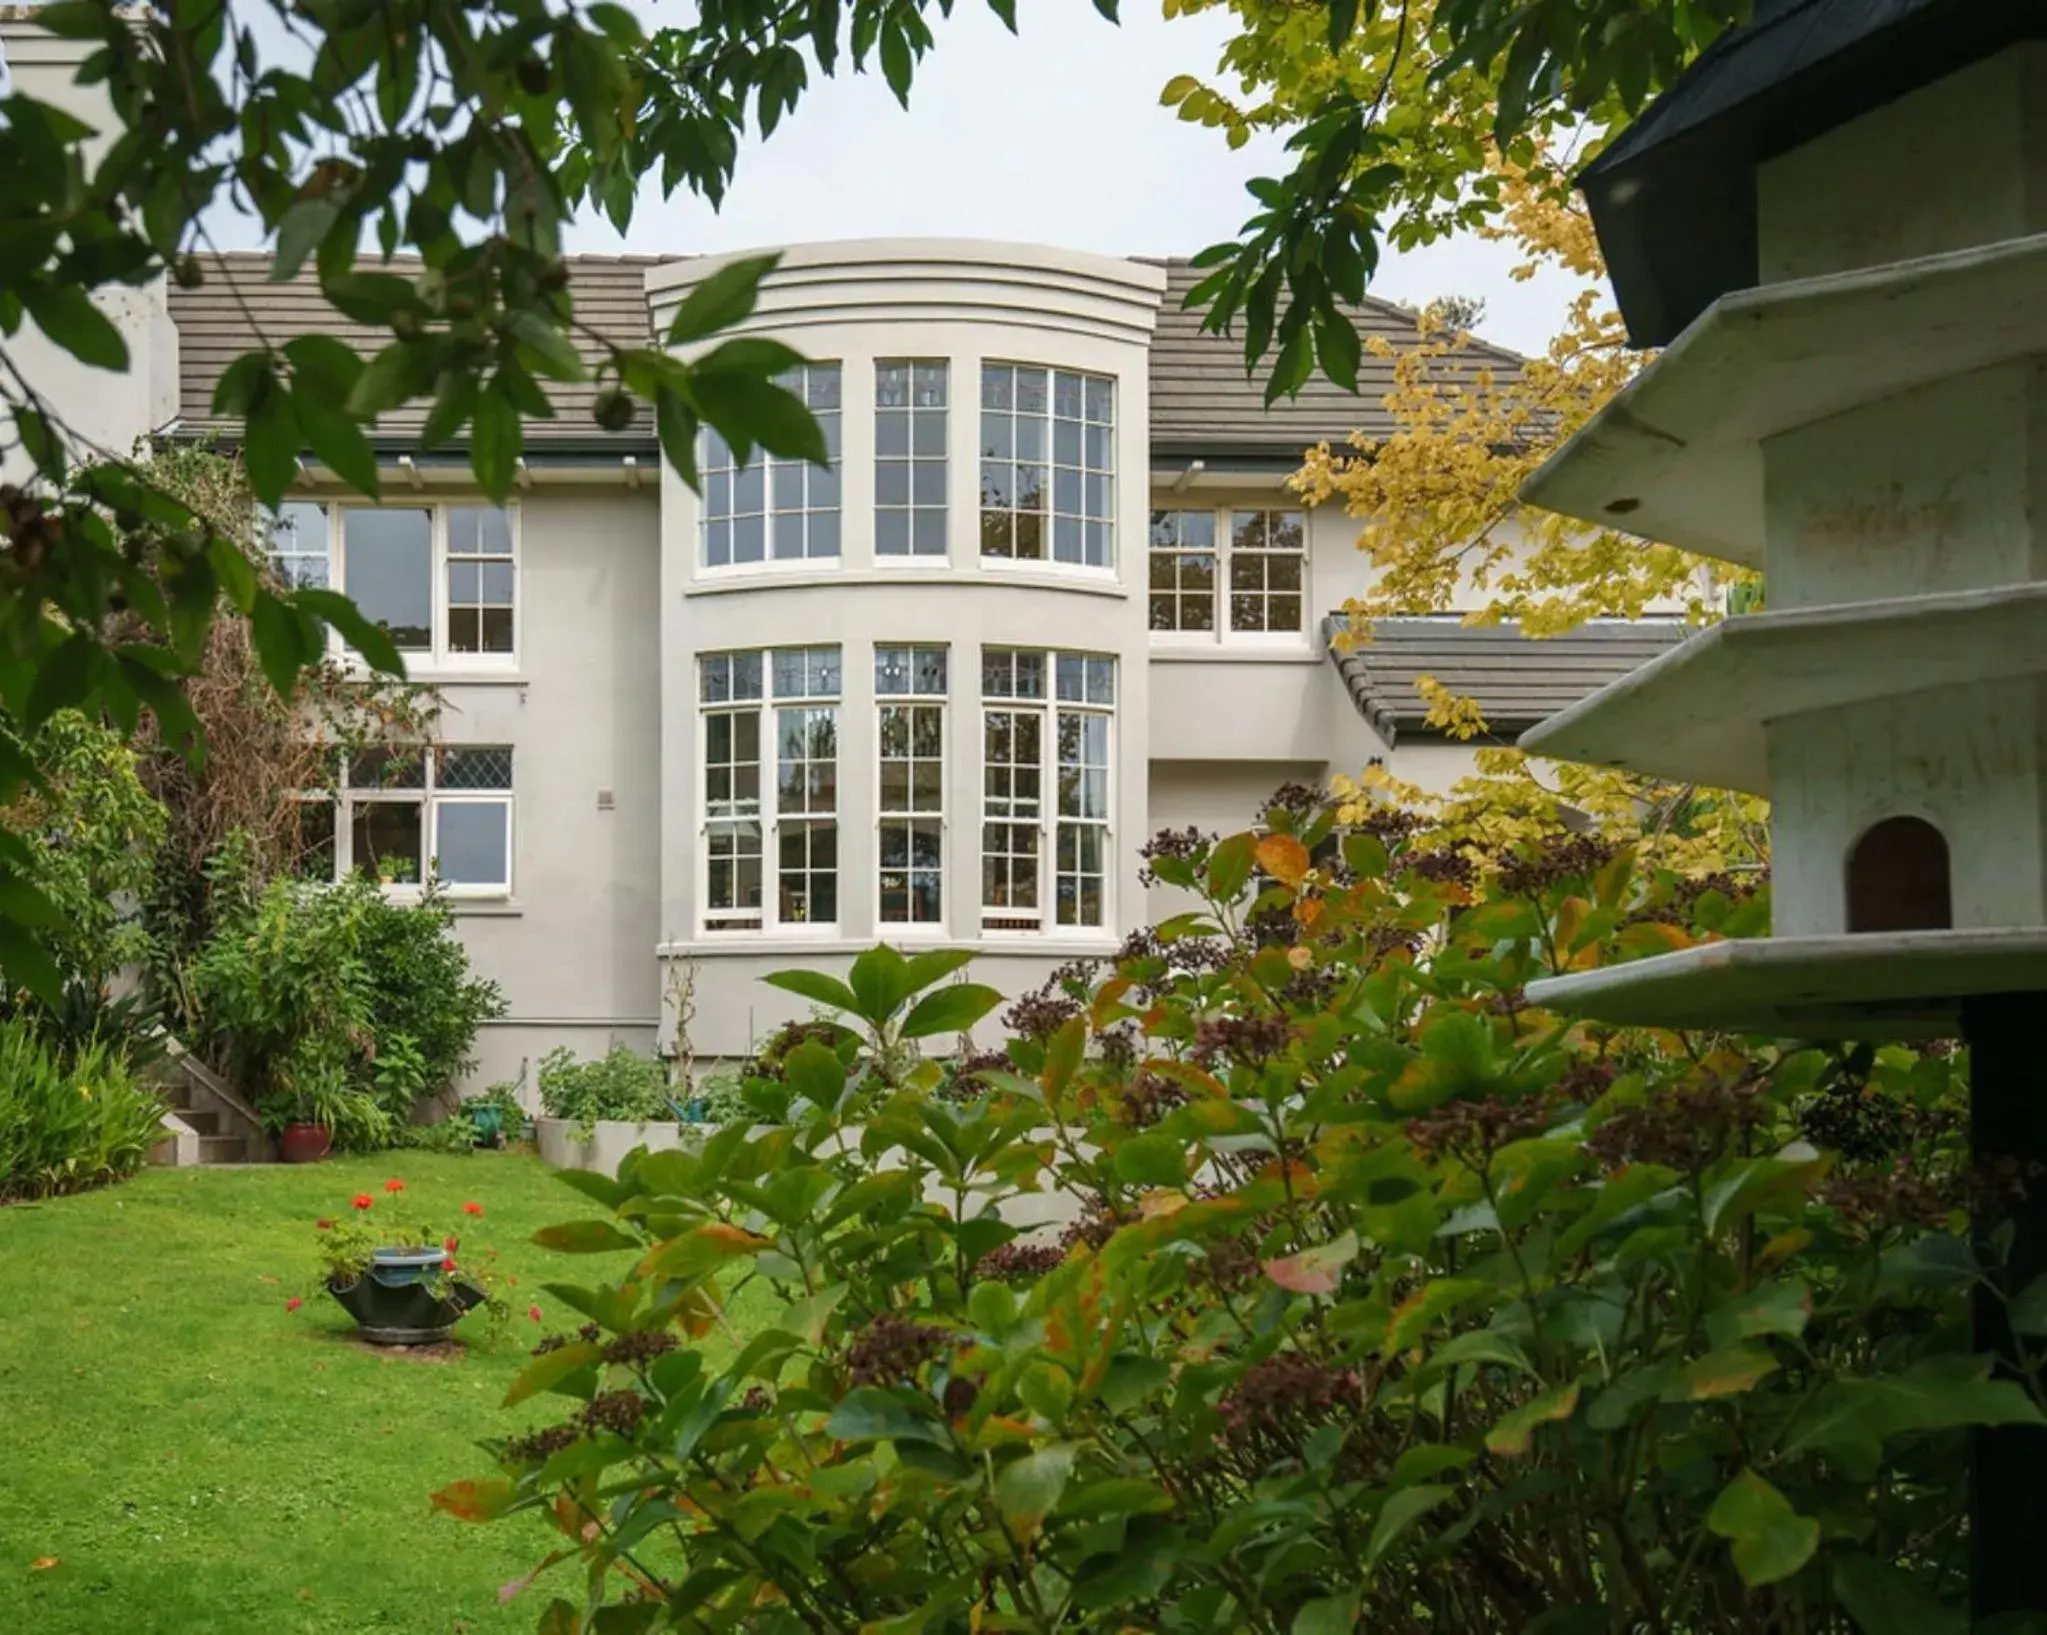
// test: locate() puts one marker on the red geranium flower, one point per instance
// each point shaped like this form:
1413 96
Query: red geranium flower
323 1225
293 1303
473 1208
448 1265
451 1244
394 1185
533 1312
363 1200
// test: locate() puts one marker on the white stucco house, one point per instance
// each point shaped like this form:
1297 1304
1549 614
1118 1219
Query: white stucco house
1052 596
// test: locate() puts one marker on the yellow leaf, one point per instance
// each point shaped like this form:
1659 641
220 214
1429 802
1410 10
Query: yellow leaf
1284 858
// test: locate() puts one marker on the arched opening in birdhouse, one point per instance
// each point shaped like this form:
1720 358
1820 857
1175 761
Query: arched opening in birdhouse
1898 878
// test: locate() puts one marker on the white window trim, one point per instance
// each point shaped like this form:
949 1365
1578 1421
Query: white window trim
771 565
769 816
1049 566
342 799
912 561
438 660
1048 708
917 930
1273 641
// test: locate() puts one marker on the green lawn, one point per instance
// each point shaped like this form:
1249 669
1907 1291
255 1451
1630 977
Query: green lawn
198 1459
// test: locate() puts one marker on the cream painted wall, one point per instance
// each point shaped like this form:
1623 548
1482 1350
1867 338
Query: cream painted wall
574 947
106 410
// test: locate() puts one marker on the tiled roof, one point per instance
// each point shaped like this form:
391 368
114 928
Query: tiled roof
221 319
1203 402
1515 680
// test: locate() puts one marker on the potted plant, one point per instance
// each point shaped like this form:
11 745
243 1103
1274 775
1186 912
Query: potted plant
404 1280
594 1113
304 1112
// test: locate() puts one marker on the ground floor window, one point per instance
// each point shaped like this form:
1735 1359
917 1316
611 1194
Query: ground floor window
1046 723
407 814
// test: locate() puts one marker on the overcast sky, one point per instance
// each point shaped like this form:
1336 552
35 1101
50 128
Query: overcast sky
1055 136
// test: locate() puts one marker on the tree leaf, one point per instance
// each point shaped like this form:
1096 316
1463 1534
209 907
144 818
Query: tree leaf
271 441
554 352
701 1249
1027 1490
814 1070
1720 1374
2028 1313
880 980
549 1369
1782 1307
336 439
1314 1271
951 1009
816 986
1771 1540
1230 864
1512 1436
67 315
372 641
1886 1600
1153 1160
1284 858
584 1238
871 1414
721 300
496 438
304 225
479 1500
1419 1311
1402 1509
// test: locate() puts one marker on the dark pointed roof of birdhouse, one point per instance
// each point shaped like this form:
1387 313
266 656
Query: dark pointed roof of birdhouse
1674 196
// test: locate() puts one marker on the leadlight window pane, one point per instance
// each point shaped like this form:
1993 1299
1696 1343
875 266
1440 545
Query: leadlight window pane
473 766
1047 465
775 508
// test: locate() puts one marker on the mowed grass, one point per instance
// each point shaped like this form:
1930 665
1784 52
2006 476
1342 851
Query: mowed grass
181 1454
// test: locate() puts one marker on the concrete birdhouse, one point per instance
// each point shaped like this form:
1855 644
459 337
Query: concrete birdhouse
1837 225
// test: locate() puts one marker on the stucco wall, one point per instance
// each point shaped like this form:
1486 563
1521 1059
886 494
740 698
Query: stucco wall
574 947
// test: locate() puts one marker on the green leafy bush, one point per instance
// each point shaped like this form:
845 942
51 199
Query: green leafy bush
1385 1300
420 988
69 1121
621 1084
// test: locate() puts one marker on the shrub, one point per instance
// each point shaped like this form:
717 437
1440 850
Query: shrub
1390 1302
622 1084
420 989
68 1122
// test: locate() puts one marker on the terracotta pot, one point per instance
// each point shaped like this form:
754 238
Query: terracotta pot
305 1143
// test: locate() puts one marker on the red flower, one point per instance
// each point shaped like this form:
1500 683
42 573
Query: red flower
323 1225
363 1200
533 1312
293 1303
473 1208
513 1281
448 1265
394 1185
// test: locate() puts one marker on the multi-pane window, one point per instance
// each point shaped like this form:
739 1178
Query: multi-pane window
479 571
1266 551
299 552
910 689
1230 572
774 508
1048 473
408 814
730 686
1183 570
442 580
1027 741
771 845
909 457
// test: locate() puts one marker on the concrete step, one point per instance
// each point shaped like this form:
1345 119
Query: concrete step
223 1149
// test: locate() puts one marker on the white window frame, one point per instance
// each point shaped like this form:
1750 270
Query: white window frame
1223 631
1049 561
1000 921
833 421
912 509
343 798
726 925
438 657
912 697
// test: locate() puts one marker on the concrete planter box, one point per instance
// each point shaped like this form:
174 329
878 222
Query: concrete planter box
561 1141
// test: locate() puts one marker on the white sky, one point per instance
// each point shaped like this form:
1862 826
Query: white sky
1052 136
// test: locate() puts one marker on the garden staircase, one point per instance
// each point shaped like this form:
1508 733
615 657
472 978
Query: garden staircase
207 1122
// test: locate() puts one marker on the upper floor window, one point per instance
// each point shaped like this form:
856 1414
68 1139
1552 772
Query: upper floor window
406 814
771 843
1048 473
1234 572
442 580
775 509
1032 743
910 689
909 457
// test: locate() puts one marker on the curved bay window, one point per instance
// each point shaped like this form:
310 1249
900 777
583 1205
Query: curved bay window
910 689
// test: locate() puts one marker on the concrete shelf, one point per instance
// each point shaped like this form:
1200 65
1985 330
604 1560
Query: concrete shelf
1677 456
1877 985
1696 714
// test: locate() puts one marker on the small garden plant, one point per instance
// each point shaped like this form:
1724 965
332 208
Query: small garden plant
1384 1301
347 1243
621 1084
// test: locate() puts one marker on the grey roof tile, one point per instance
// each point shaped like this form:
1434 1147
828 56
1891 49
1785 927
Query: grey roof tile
222 319
1515 680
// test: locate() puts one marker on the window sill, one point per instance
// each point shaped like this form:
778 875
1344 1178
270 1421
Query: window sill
1233 652
934 572
485 908
753 944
